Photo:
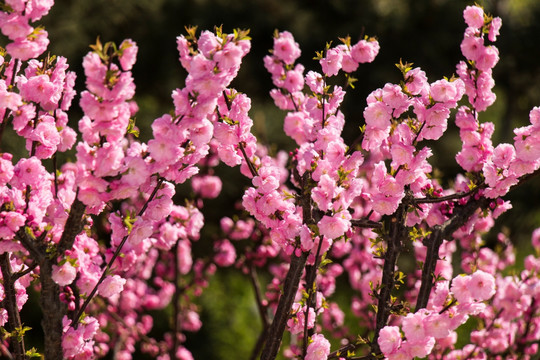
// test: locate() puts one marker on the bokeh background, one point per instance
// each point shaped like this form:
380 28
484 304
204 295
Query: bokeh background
425 32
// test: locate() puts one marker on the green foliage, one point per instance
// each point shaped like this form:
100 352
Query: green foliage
230 319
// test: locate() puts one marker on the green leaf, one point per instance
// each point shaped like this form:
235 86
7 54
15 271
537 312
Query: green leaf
132 129
33 353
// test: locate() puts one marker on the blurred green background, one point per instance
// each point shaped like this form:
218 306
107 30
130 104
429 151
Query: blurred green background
425 32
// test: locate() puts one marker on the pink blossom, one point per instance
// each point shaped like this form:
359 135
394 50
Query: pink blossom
488 58
413 326
472 47
389 339
6 168
30 171
494 28
482 285
318 349
142 230
416 81
68 136
347 63
461 288
335 226
229 57
437 325
401 154
29 47
378 115
112 285
296 125
208 186
13 220
208 43
128 49
183 354
285 48
469 158
8 99
315 82
72 342
15 26
503 155
527 143
225 254
191 321
536 238
294 80
331 63
474 16
365 51
185 260
159 208
64 274
40 89
444 91
164 151
39 8
421 348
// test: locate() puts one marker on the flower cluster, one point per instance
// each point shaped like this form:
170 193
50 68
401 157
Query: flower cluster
26 42
436 324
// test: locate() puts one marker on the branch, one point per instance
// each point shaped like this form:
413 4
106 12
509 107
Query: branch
434 242
262 312
460 195
290 287
252 168
113 258
36 250
53 312
292 281
74 225
397 233
445 231
258 296
10 304
366 223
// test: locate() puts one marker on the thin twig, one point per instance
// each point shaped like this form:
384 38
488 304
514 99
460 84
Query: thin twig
113 258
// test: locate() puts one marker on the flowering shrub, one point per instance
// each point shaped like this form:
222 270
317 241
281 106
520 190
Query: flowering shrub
104 243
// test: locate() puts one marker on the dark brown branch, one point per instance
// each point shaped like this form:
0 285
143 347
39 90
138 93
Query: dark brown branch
342 350
24 272
74 225
292 279
456 196
290 287
250 165
366 223
262 312
258 296
53 312
397 233
36 250
10 304
434 241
